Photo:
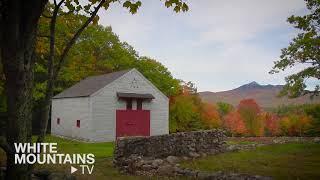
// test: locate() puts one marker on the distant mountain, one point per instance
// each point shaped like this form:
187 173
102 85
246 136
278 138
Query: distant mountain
265 95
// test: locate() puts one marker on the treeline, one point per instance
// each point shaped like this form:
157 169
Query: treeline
188 113
248 119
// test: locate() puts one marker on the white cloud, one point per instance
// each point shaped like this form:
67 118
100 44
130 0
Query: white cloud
232 21
235 40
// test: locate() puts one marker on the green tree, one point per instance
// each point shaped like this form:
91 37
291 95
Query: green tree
314 112
224 108
97 51
303 50
89 9
159 75
19 22
184 114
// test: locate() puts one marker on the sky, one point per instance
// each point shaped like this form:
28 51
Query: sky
218 44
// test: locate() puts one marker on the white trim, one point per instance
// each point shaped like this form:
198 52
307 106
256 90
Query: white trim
144 78
150 83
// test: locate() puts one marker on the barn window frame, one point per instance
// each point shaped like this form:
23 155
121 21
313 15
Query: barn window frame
78 123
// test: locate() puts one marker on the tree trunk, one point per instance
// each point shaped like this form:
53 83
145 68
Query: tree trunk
18 22
44 118
18 66
53 75
45 109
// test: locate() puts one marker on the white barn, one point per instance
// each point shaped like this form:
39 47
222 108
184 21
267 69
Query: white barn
102 108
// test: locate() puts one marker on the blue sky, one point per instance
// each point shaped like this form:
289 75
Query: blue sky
217 44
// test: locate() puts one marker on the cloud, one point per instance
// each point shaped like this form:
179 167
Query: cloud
217 44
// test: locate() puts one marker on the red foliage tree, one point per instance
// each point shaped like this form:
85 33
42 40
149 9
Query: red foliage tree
249 111
249 104
234 123
271 124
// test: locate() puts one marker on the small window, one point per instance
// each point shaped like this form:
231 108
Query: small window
78 123
58 120
139 104
129 104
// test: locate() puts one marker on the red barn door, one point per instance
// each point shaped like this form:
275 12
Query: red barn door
132 123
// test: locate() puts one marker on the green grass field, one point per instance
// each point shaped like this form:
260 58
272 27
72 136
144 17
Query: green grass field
103 155
285 161
100 150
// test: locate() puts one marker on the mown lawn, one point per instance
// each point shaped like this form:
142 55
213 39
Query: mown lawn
100 150
282 161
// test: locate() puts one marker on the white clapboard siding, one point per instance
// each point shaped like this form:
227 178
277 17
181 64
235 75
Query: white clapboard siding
69 110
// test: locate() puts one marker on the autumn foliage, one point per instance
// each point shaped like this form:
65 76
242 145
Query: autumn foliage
295 124
188 112
248 119
271 122
210 116
234 123
249 111
249 105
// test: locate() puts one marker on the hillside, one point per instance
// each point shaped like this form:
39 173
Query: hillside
265 95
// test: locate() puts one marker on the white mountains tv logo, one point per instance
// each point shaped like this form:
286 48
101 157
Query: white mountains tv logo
47 153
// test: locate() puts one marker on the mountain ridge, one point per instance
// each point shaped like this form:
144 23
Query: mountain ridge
265 95
254 84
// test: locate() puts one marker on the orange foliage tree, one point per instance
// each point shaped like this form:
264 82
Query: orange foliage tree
271 123
234 123
249 111
295 124
210 116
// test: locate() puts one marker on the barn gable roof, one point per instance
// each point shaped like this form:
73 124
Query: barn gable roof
90 85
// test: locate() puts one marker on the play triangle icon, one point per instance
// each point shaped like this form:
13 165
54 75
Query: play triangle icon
73 169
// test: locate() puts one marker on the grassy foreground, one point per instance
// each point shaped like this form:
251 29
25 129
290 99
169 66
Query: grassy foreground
103 155
100 150
285 161
282 161
103 168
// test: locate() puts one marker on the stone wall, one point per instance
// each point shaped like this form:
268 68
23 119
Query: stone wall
178 144
152 153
